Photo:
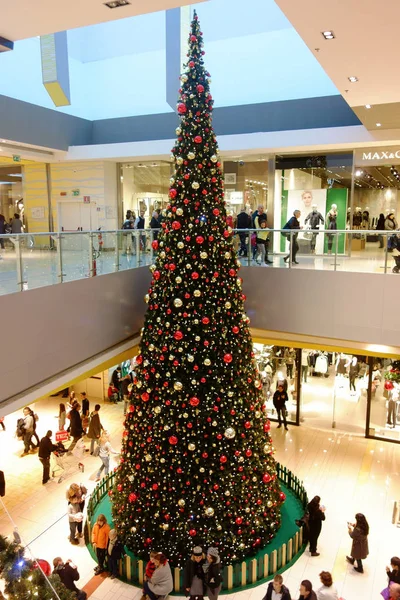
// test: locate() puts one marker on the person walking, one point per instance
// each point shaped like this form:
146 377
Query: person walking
104 453
262 241
358 532
62 417
317 515
380 226
155 224
115 551
76 429
327 591
100 536
27 428
68 573
95 427
193 575
279 401
34 434
116 380
276 589
213 578
125 387
390 226
161 583
243 222
46 447
294 224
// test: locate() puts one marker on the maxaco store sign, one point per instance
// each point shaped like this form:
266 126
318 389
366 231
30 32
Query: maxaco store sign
393 154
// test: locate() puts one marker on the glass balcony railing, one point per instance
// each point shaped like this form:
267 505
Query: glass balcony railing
32 260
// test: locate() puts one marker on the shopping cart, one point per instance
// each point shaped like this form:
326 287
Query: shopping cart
68 462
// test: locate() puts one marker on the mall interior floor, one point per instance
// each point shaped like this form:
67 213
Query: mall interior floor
350 473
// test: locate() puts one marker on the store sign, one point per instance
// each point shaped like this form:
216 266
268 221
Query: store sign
368 155
16 158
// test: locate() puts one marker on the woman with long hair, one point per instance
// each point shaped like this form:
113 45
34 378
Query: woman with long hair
104 454
194 576
316 516
358 532
62 416
213 577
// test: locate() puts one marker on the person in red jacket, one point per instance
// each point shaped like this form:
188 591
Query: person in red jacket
150 568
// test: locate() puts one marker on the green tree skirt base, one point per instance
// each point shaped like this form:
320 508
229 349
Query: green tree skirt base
291 510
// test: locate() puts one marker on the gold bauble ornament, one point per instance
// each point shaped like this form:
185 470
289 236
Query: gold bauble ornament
202 469
207 362
247 509
269 503
266 449
185 415
167 427
151 347
214 158
148 457
179 160
190 358
227 493
184 78
191 155
214 423
179 212
203 255
192 447
181 502
228 305
165 526
178 386
219 527
138 384
230 394
162 254
178 279
178 131
227 255
209 511
195 185
152 268
157 410
133 529
229 433
172 180
178 302
197 293
147 298
181 246
257 383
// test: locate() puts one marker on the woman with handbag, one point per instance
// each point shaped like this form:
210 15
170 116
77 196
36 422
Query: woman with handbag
358 532
317 515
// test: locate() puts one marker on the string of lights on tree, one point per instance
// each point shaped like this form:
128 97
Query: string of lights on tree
24 579
197 464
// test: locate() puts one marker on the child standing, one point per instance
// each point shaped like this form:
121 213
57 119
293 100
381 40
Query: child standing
100 535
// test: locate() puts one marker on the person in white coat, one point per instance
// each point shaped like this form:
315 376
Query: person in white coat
327 591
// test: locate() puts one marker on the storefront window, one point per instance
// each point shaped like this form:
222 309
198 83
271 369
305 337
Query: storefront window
318 185
246 183
144 186
385 399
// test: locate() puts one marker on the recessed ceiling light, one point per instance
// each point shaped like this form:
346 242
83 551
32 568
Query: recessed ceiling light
353 79
328 35
368 106
378 124
359 173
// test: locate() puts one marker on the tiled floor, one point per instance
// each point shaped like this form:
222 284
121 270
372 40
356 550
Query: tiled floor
41 267
350 474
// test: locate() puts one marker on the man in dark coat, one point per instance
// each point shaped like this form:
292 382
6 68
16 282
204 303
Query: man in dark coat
293 223
68 573
76 429
243 222
46 447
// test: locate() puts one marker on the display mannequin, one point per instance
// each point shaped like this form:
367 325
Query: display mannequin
331 221
353 370
305 363
341 365
394 397
314 218
290 357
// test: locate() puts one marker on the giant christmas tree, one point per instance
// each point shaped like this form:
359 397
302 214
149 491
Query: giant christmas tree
197 462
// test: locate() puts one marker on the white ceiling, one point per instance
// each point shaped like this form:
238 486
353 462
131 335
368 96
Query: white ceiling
367 44
23 19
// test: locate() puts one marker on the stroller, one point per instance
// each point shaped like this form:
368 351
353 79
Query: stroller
68 462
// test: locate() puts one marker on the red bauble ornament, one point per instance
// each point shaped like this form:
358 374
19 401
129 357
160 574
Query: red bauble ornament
176 225
223 459
200 88
191 64
247 425
156 275
172 193
266 478
239 521
195 275
216 211
226 233
198 139
267 426
205 320
178 335
155 486
248 453
282 496
235 329
145 397
193 38
182 108
154 245
173 440
194 401
204 455
119 487
132 497
199 239
228 358
192 532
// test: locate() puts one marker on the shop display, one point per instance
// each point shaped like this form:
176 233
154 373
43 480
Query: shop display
313 220
331 222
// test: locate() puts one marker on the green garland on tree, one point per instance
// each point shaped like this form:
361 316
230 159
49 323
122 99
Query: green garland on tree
23 580
197 463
